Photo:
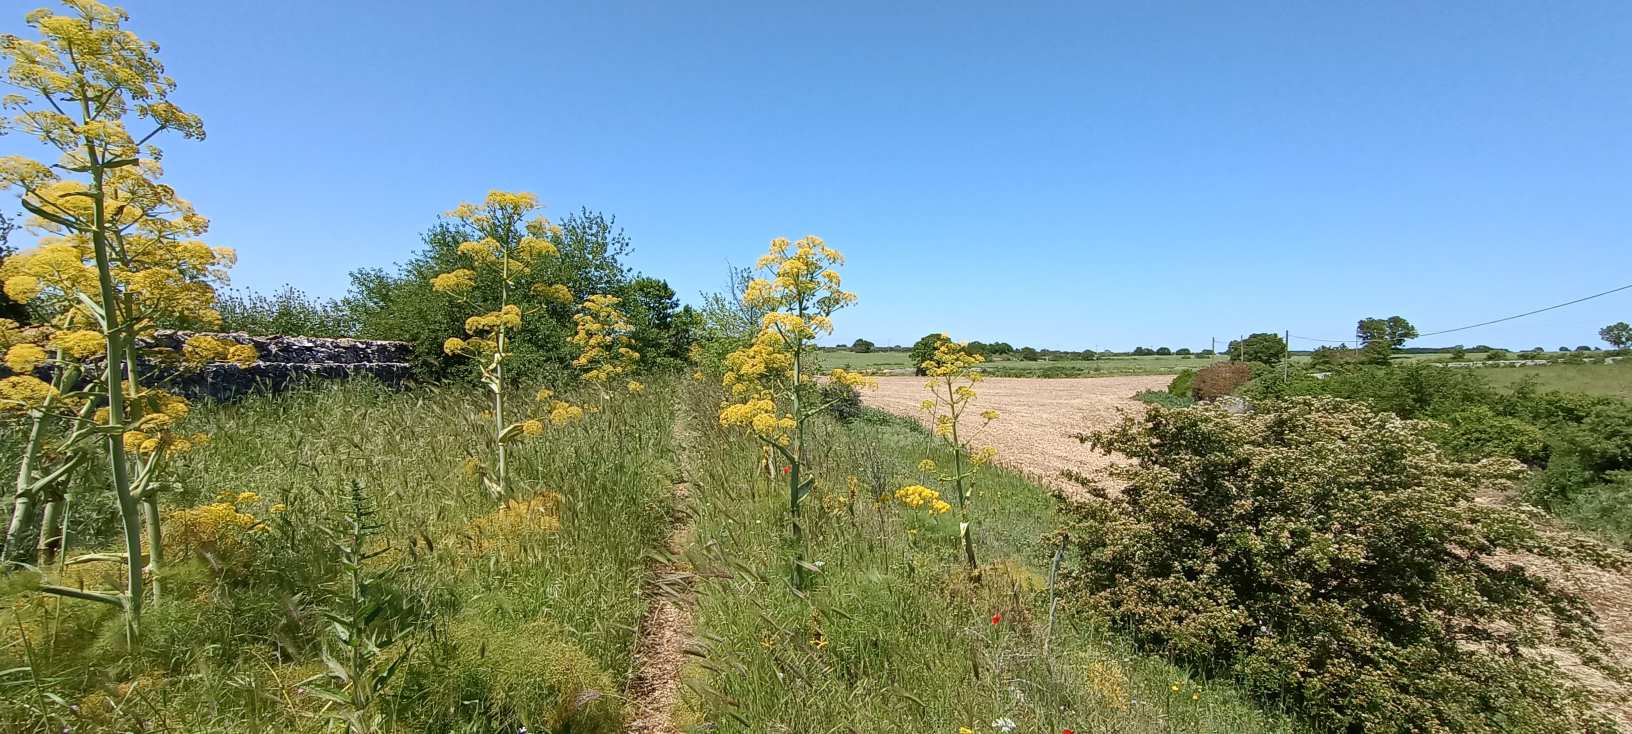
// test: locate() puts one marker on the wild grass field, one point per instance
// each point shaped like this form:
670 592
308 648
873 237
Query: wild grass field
1613 380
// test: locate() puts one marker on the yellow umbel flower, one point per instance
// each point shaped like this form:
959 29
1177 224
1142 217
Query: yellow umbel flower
25 357
80 343
604 340
22 392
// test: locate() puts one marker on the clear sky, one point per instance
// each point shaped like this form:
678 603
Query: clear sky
1071 175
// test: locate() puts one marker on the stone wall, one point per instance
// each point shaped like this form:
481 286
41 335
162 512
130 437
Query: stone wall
288 360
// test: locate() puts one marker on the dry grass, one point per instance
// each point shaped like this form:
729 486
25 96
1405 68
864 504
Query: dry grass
1040 416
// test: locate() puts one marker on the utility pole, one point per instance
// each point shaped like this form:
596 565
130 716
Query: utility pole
1286 364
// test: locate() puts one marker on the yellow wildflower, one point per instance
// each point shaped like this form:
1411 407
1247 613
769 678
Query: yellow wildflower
80 344
24 357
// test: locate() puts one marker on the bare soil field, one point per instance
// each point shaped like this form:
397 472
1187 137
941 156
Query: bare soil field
1038 417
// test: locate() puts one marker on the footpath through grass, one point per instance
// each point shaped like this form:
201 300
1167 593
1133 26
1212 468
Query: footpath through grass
894 634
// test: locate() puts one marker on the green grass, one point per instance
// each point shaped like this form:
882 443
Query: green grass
1005 367
1614 380
509 622
893 634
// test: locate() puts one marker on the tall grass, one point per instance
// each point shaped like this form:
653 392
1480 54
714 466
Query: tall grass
893 635
512 615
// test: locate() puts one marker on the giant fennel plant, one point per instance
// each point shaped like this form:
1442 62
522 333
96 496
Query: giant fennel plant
118 255
770 381
508 240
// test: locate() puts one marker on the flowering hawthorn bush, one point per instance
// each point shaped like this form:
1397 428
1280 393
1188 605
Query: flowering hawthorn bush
1332 557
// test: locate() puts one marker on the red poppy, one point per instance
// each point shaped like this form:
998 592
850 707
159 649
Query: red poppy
997 618
787 469
1067 731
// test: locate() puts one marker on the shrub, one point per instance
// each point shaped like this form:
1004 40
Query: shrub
1163 398
1496 355
1587 451
1215 381
1478 432
288 311
844 400
1182 383
1334 357
1408 391
1606 508
1332 558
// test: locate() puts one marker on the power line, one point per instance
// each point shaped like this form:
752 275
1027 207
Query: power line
1482 323
1526 313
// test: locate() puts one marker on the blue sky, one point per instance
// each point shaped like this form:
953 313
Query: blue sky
1071 175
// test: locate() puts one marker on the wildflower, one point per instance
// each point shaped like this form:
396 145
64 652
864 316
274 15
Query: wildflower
927 466
997 618
917 495
532 427
24 358
23 392
278 508
787 469
636 388
1174 688
965 730
80 344
248 498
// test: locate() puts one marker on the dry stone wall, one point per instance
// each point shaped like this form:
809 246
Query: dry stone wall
286 361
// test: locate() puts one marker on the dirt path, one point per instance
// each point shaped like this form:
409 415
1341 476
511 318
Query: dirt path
1039 416
667 629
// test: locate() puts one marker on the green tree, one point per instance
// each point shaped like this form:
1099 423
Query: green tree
1380 337
664 331
1027 354
1619 335
923 350
402 306
1261 347
1163 352
861 346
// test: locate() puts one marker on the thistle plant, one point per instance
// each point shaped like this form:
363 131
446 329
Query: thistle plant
508 242
118 254
771 380
951 383
357 656
605 352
